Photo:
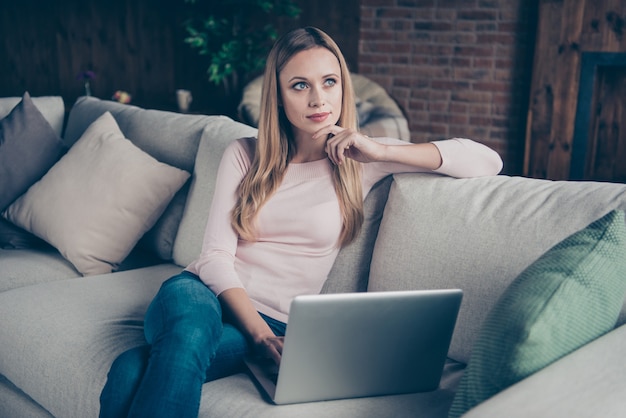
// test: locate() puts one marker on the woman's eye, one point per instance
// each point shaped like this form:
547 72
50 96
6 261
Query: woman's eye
299 86
330 82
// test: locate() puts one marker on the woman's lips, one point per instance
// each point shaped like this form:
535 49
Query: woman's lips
319 117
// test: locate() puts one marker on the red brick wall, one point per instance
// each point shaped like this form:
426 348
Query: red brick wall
456 67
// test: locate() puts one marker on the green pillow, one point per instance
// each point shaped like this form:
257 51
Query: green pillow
570 296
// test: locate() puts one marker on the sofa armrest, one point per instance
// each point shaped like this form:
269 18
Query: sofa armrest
586 383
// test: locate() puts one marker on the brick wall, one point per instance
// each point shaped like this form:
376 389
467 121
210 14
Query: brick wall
456 67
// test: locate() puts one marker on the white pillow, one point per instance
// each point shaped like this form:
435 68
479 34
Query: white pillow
99 199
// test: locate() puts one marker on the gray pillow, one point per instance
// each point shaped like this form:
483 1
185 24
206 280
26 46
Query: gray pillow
51 107
29 146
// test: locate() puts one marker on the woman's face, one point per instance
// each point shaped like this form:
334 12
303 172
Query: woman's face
311 91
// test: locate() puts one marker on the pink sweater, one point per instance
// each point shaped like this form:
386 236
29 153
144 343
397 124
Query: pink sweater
299 226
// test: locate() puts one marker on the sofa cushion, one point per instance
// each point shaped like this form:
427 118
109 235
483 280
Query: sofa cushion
237 396
81 326
29 266
478 235
60 338
51 107
99 199
351 269
15 403
171 138
570 296
215 138
29 146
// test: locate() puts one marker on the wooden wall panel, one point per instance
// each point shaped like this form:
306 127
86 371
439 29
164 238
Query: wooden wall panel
131 45
583 26
541 107
128 44
568 58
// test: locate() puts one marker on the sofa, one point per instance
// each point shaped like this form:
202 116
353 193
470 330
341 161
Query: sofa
63 321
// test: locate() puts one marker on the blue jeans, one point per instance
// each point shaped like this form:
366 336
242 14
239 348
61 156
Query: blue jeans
187 345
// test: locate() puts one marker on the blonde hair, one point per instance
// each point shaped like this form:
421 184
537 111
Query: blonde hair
275 144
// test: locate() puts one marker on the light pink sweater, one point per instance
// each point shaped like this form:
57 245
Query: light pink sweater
299 226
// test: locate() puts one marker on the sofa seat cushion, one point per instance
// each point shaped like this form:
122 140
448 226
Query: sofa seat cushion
16 404
25 267
60 338
478 235
237 396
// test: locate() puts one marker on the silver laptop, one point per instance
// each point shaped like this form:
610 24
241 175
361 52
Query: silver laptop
353 345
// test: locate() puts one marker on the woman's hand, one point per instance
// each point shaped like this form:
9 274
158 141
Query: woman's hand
270 347
239 310
347 143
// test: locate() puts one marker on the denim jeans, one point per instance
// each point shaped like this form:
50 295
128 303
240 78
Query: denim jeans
187 345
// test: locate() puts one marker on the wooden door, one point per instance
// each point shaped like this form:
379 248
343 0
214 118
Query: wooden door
567 30
607 144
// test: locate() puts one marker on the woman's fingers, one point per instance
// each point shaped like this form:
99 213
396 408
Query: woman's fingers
337 142
272 348
327 130
344 143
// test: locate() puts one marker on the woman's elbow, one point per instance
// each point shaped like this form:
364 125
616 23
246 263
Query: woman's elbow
492 165
482 160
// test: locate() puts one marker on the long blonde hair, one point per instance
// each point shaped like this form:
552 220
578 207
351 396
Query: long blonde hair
275 143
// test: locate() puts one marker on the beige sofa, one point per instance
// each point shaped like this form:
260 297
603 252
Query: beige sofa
60 330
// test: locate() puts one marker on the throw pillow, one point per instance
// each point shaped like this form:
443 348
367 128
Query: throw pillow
99 199
29 146
570 296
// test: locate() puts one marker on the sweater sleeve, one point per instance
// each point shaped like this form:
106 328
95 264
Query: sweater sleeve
461 158
216 263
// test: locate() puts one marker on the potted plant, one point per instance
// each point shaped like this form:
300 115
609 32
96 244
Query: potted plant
235 36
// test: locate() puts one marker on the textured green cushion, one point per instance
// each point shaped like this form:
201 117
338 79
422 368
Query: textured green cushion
570 296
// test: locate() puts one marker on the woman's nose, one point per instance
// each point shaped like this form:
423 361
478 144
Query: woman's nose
316 98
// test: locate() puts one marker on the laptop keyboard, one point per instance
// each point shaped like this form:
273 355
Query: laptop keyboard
270 368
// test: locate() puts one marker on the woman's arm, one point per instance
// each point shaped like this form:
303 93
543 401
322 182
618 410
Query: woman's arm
216 263
425 156
458 157
239 309
464 158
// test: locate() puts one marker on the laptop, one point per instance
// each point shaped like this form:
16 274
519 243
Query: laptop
352 345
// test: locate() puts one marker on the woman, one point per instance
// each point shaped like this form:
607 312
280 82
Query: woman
284 204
